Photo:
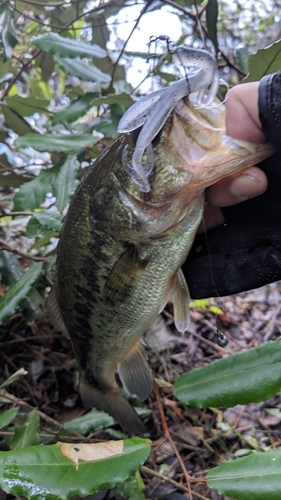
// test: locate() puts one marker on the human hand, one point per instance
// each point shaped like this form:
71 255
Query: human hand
242 122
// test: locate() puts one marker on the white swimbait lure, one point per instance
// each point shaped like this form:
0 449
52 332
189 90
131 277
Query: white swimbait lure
152 111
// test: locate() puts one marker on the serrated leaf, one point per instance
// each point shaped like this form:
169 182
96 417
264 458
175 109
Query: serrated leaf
8 33
55 142
66 182
91 421
17 293
64 471
248 377
66 47
27 433
27 106
35 228
33 193
6 417
49 218
264 62
71 112
80 69
18 124
255 477
211 19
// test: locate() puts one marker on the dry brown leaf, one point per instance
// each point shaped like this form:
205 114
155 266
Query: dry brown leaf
90 452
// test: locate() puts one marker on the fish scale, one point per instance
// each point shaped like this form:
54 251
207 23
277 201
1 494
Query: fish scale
121 250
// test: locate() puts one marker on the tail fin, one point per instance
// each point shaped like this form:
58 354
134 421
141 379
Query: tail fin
114 403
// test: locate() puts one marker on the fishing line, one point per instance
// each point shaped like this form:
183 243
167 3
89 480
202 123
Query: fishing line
222 340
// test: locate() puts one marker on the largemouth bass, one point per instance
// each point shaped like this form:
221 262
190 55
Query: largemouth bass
121 248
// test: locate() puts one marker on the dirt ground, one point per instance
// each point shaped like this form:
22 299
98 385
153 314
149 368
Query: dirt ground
202 438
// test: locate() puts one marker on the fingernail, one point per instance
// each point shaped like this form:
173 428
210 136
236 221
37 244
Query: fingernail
246 186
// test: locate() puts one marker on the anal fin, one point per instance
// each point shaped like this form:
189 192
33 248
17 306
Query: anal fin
181 300
54 312
135 373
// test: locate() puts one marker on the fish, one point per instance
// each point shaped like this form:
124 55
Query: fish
121 247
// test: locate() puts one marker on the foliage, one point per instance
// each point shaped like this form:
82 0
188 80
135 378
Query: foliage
63 89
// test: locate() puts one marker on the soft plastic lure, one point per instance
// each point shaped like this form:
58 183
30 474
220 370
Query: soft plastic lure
152 111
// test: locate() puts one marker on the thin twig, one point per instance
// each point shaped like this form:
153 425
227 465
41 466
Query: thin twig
48 25
181 9
6 246
179 486
143 11
23 404
14 214
41 4
170 439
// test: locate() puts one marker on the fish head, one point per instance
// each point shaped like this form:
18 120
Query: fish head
195 149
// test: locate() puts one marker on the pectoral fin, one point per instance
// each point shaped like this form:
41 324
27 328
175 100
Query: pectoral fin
181 300
54 312
124 277
135 373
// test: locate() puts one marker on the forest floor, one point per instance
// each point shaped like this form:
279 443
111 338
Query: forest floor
203 438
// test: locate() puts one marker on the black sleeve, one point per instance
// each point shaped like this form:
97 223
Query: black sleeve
245 252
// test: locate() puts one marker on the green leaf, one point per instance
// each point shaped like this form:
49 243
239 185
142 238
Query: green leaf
12 180
242 55
91 421
264 62
10 380
123 99
27 106
46 473
6 417
255 477
33 193
18 124
49 219
11 271
73 111
55 142
65 47
211 18
243 378
45 62
130 489
80 69
17 293
27 433
44 241
35 228
66 182
8 33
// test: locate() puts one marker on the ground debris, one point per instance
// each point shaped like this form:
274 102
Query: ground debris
202 438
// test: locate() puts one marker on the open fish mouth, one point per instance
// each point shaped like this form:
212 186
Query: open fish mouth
151 112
